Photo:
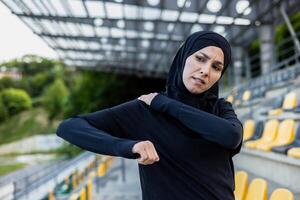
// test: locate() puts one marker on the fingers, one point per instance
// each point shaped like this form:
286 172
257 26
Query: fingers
148 154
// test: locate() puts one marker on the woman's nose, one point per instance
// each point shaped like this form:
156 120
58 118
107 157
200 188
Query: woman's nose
205 70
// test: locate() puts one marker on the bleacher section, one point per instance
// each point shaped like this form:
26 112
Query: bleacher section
269 108
257 189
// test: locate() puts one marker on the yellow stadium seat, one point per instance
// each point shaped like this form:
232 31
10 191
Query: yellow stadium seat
275 112
246 95
290 101
248 129
51 195
230 98
282 194
294 152
89 190
83 194
258 190
102 169
286 135
269 133
74 196
241 185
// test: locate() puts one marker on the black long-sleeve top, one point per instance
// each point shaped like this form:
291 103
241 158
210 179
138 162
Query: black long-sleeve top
195 147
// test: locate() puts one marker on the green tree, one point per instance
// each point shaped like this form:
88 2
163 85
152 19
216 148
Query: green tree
54 98
16 100
3 110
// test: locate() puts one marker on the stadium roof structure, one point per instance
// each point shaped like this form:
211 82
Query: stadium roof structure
140 36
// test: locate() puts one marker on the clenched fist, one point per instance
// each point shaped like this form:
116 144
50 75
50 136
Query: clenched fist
148 154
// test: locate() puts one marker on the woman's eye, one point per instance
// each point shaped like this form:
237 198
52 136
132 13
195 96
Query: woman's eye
217 68
200 58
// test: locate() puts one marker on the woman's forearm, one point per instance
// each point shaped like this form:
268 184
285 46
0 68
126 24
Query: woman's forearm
225 132
80 133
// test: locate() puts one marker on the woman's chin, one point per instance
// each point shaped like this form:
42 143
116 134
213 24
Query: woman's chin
194 90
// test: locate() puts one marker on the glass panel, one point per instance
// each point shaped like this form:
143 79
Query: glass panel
205 18
32 7
82 44
224 20
95 8
49 25
188 17
169 15
13 6
72 28
146 35
151 13
32 25
115 32
87 30
131 12
77 8
241 21
94 45
102 31
131 34
59 8
114 10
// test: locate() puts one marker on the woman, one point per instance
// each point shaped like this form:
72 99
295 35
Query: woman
184 138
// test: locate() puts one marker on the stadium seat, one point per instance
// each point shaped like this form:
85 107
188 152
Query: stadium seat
248 129
259 127
257 190
230 99
276 107
296 143
269 134
294 152
246 95
286 135
241 185
290 101
282 194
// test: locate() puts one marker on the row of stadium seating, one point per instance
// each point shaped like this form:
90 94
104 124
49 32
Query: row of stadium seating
79 184
257 189
259 86
280 137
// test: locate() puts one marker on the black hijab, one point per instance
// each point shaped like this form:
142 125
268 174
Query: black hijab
175 87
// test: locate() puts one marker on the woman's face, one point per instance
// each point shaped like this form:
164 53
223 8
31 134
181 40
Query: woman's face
203 69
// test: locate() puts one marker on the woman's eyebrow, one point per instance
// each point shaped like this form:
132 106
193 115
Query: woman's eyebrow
207 57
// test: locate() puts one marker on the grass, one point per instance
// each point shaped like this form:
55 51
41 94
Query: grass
6 169
27 123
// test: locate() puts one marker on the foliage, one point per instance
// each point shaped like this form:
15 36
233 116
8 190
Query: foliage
26 123
94 91
15 100
54 98
69 150
6 169
3 110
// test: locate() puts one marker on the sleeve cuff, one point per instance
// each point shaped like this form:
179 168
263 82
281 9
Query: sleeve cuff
125 149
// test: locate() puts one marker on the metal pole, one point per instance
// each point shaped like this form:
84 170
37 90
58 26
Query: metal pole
123 169
290 27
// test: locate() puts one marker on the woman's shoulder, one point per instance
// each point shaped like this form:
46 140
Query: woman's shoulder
131 106
223 103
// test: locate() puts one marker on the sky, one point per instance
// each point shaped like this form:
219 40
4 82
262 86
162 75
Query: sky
17 40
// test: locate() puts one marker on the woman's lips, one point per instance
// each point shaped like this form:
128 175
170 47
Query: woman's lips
198 81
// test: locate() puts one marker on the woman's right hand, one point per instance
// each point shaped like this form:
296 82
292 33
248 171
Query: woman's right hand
148 154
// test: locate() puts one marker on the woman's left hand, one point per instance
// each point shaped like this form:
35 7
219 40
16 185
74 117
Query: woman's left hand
147 98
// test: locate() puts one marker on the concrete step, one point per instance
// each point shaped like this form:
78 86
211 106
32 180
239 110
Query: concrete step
116 185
